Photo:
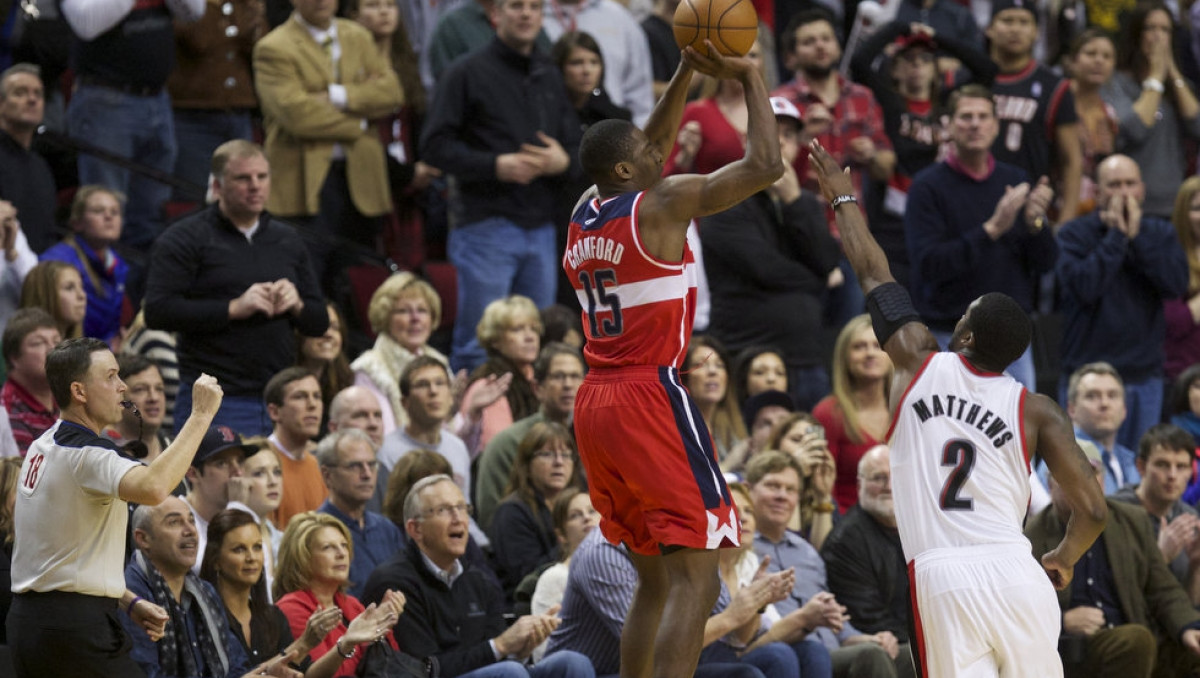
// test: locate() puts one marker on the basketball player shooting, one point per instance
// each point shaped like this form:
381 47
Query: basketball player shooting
962 437
651 466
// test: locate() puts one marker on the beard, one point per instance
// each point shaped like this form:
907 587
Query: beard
816 72
881 509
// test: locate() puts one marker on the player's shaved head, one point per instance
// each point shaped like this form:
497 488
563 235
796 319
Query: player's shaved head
605 144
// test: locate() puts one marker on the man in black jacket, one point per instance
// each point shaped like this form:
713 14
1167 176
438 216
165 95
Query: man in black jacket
501 127
767 260
235 284
864 563
454 611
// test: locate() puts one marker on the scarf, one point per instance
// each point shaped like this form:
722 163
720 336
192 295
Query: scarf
175 657
383 365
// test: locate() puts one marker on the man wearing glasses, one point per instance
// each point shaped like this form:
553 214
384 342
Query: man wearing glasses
455 611
350 471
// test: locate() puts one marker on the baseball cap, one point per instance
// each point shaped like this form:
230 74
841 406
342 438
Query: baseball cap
217 440
755 403
786 109
911 40
1001 5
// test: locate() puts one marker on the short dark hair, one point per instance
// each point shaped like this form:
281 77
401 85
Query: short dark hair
418 363
68 363
273 393
605 144
20 325
971 91
557 320
130 364
1002 330
1167 436
541 366
801 19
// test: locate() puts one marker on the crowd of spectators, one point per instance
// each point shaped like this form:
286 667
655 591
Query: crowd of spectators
400 452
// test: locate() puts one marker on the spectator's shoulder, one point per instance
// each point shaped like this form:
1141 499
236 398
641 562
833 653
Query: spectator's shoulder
281 37
352 30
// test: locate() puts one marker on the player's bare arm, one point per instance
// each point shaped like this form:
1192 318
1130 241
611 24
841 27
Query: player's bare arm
667 208
663 124
1049 432
911 342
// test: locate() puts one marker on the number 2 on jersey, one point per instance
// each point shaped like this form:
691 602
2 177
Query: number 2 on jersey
961 455
598 287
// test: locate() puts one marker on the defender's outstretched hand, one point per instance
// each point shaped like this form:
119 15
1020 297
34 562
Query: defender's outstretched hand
833 179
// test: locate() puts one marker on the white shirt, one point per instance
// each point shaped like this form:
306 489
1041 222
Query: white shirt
69 522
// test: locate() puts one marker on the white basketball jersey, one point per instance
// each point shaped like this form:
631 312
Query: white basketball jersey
960 472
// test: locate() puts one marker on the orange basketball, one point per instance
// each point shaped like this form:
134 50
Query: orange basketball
731 25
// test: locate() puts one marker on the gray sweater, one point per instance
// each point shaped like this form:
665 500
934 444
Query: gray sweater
1158 149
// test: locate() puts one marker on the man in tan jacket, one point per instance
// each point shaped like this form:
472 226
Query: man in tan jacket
320 80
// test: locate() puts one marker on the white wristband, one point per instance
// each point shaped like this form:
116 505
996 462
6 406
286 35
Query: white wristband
1154 85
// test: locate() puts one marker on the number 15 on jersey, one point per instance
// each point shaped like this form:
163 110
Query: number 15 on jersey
602 300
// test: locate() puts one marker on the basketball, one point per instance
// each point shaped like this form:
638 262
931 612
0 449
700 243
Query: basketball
731 25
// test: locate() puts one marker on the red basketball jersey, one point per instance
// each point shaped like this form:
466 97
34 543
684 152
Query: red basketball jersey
637 308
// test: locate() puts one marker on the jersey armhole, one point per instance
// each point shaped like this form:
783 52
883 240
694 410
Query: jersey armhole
900 402
636 235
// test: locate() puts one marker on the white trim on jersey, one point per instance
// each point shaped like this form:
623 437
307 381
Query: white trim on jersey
650 291
637 238
677 383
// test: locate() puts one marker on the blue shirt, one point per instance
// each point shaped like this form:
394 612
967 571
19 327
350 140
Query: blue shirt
793 551
375 542
103 316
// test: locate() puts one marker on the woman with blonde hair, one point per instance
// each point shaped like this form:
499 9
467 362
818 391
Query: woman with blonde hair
312 574
510 331
856 416
403 313
801 437
57 288
1182 343
234 564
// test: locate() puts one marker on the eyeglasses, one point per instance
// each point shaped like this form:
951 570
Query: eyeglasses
359 466
878 478
554 454
451 510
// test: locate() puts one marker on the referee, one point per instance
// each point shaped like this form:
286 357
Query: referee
70 517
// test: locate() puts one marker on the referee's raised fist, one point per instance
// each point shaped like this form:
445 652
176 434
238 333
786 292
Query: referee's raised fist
206 395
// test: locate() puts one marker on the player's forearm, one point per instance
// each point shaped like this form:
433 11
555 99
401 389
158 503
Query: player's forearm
762 137
1087 521
864 253
664 120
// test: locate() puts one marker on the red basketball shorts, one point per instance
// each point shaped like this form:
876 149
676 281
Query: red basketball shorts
652 472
